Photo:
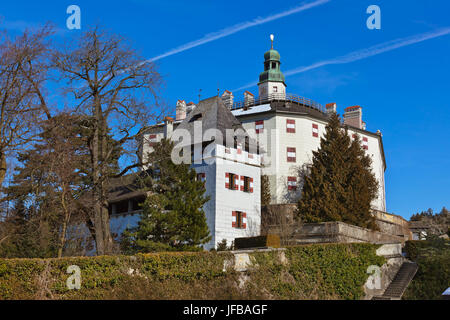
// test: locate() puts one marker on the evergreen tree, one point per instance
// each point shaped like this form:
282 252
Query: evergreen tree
173 216
362 187
339 185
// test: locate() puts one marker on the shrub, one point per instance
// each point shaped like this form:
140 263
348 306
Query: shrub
433 275
329 271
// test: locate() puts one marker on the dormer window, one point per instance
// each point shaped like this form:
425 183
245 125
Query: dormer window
275 89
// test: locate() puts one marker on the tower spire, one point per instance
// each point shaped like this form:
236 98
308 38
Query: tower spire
271 40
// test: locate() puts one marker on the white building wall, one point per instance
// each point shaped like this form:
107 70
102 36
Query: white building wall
272 89
228 201
305 143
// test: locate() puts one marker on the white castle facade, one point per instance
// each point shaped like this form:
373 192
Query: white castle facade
287 129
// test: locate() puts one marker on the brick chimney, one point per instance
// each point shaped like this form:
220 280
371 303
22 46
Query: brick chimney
189 107
227 98
168 127
353 117
249 98
180 110
331 108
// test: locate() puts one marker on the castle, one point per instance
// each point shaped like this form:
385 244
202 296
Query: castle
277 133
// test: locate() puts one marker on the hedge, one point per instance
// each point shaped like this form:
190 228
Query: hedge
433 275
326 271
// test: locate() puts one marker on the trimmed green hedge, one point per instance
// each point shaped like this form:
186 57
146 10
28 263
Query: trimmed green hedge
329 271
433 275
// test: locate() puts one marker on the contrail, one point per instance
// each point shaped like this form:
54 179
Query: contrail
366 53
236 28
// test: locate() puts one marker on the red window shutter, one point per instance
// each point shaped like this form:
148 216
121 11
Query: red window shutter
242 183
152 140
291 155
250 156
315 130
290 125
233 223
227 180
365 143
236 182
259 126
251 185
244 224
292 183
201 176
239 149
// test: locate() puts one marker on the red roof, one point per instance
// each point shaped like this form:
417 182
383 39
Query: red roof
248 92
352 108
330 104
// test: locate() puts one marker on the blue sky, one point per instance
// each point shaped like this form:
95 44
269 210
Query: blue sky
403 86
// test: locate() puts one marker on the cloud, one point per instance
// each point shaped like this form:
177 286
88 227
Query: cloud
365 53
21 26
236 28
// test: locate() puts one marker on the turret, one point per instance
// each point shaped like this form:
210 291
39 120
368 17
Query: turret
271 83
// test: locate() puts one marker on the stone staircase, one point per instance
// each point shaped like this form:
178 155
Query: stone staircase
400 282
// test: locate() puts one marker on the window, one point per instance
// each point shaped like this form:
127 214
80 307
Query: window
231 180
275 89
290 125
274 65
292 183
259 126
315 130
365 143
239 149
201 176
152 140
291 155
240 219
246 184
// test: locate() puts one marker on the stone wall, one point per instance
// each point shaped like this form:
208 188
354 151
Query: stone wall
336 232
392 227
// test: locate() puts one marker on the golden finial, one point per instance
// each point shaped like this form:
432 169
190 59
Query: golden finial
271 40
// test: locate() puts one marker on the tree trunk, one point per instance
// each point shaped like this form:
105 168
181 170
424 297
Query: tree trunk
62 239
2 167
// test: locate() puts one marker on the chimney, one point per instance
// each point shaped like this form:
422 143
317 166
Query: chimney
189 107
180 110
249 99
227 98
331 108
168 127
353 117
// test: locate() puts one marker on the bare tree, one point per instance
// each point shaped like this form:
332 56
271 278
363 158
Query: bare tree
118 93
23 71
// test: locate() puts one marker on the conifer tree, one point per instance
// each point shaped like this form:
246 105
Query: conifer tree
339 185
173 216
